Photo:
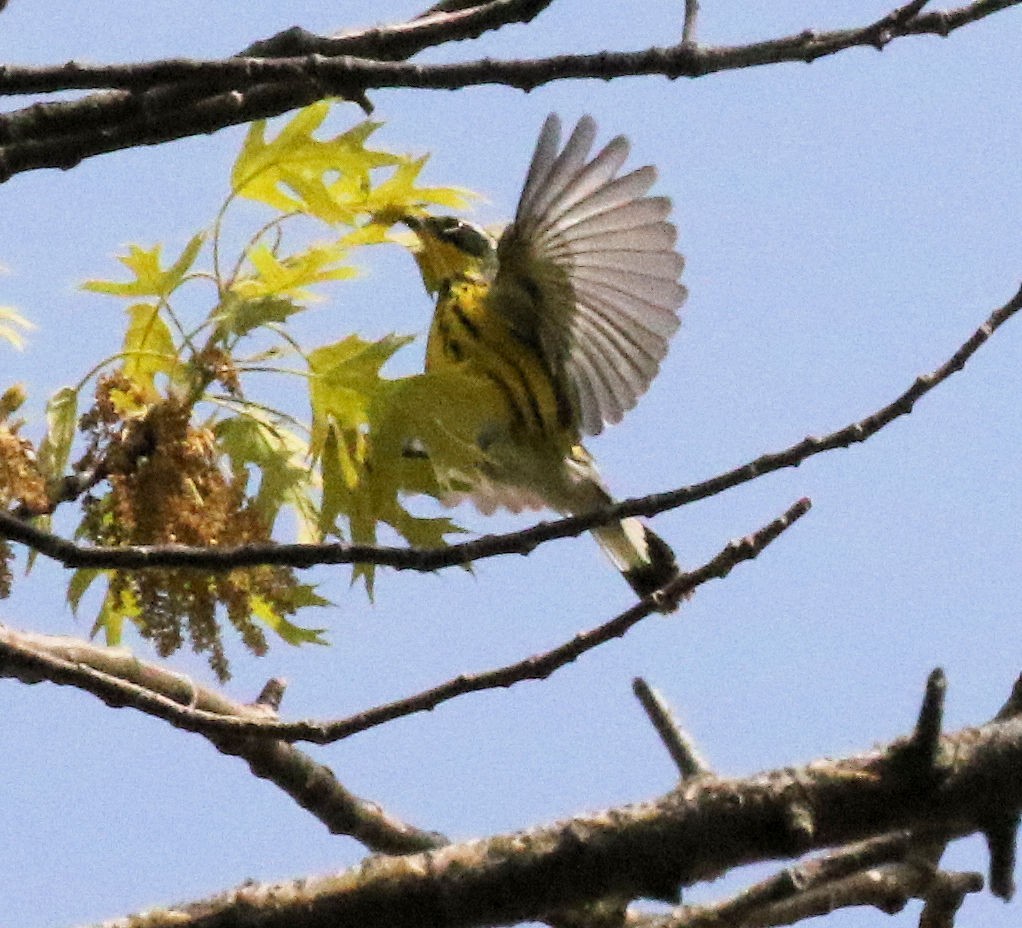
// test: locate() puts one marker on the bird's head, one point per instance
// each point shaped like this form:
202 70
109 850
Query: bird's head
448 248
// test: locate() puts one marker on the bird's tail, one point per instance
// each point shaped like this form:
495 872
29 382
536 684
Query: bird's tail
645 560
571 484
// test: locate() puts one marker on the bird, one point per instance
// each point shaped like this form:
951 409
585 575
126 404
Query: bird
566 317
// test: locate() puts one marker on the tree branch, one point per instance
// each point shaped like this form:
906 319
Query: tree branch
884 873
681 748
523 542
702 829
437 26
118 678
177 98
31 663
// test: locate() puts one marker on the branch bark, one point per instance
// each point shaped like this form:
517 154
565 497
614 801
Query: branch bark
155 691
702 829
120 679
177 98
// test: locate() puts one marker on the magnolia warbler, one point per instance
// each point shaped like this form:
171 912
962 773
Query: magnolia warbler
567 315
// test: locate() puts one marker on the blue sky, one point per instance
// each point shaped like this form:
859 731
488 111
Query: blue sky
847 225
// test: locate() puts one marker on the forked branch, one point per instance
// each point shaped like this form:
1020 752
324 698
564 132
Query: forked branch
702 829
155 102
31 662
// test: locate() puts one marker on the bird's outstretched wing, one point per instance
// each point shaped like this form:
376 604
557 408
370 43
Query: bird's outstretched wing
587 271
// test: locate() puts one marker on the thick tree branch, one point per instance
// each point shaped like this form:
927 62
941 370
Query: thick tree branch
370 59
22 659
523 542
172 99
702 829
120 679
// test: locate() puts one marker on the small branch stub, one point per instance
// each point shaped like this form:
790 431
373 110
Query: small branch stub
683 752
1002 838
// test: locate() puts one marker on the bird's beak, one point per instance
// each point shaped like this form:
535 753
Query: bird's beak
427 251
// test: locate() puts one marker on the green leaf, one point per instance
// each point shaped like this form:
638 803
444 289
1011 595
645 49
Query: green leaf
398 195
339 478
119 605
442 412
81 580
150 278
290 276
61 420
281 457
345 375
239 316
149 347
377 439
267 613
290 172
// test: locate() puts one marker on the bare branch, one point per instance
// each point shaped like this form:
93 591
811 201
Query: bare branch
1002 840
176 98
437 26
705 827
17 659
522 542
1013 704
688 30
945 897
120 679
681 748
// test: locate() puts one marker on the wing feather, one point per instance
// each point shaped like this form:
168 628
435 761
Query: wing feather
589 268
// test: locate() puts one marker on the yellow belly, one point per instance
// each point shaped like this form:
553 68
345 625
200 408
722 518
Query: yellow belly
467 334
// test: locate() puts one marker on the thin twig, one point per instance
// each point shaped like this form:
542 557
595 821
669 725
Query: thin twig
141 557
401 40
39 664
796 892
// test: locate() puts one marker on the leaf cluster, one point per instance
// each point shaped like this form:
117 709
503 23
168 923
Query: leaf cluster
172 441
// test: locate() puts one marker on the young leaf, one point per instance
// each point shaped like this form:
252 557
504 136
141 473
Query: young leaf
80 581
119 605
150 278
398 194
61 419
238 315
149 348
274 618
281 459
290 276
344 377
290 172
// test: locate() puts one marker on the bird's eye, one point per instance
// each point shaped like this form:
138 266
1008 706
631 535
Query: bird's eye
467 238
